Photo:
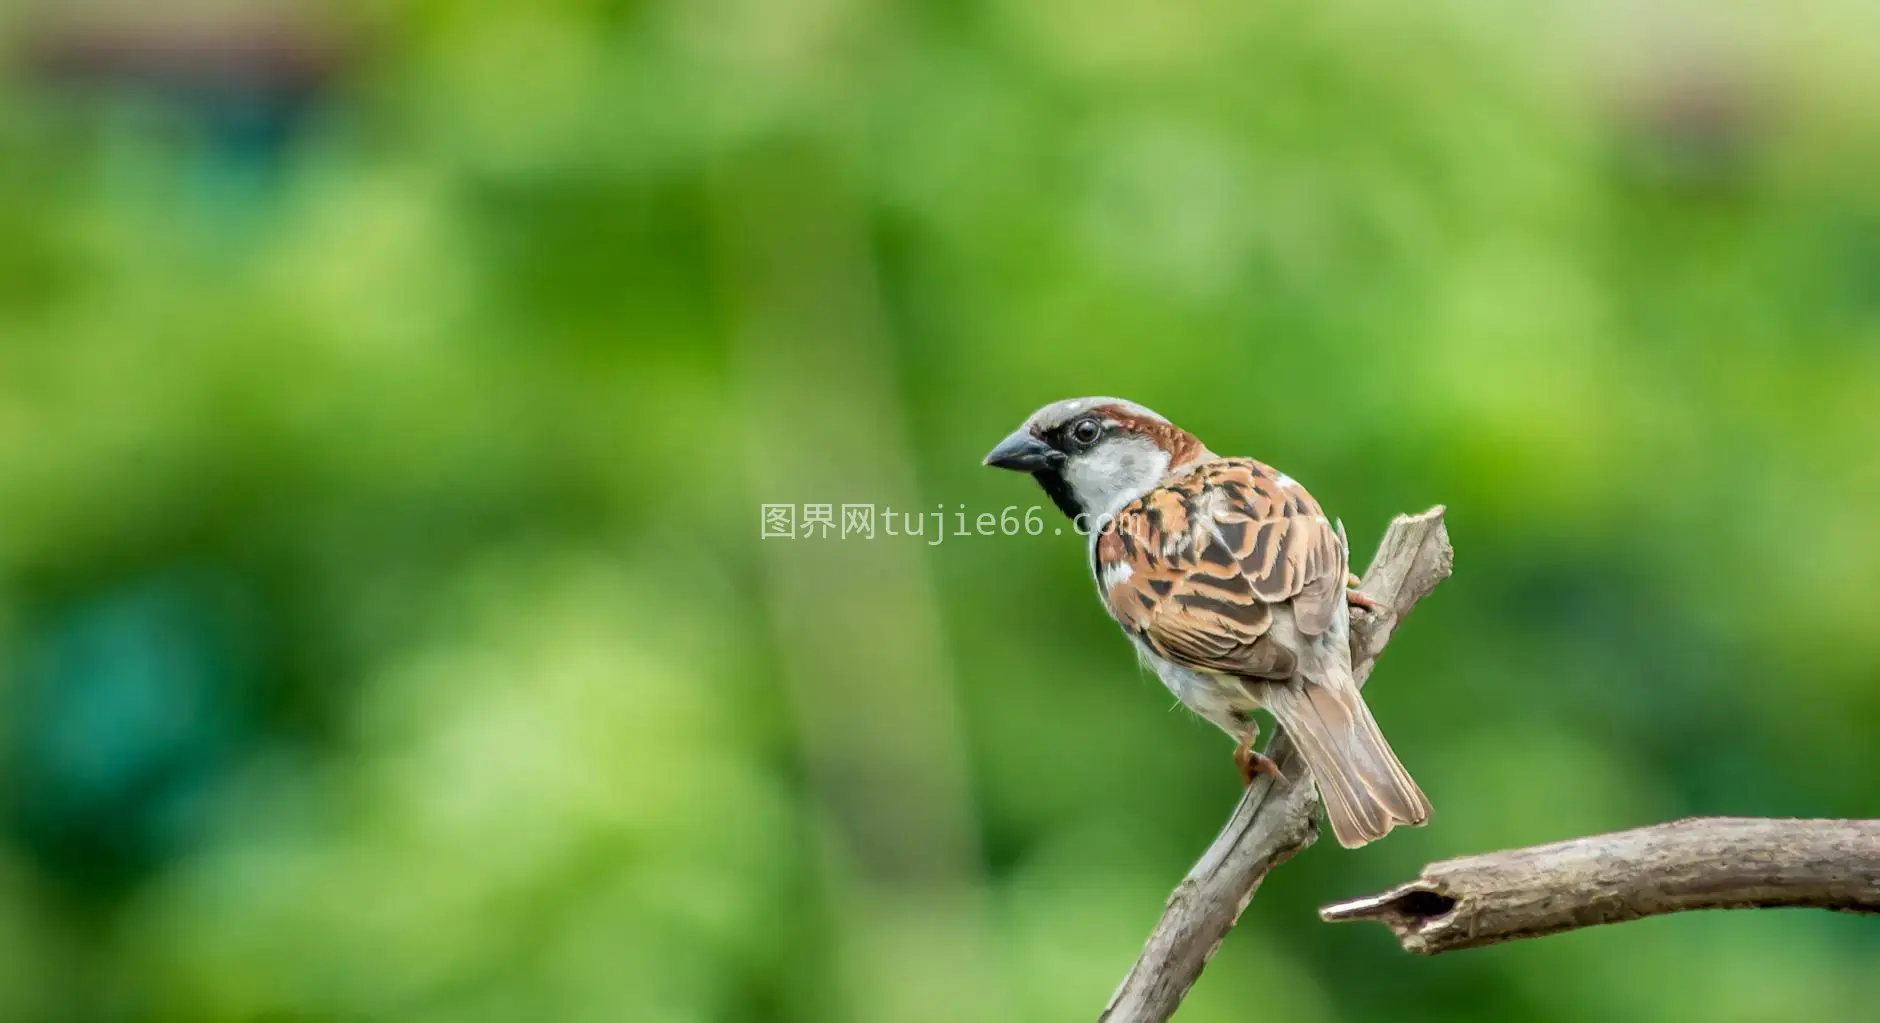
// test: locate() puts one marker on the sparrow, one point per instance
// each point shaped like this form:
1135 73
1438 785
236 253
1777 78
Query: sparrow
1232 585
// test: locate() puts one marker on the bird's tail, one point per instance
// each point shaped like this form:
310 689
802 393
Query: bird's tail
1366 791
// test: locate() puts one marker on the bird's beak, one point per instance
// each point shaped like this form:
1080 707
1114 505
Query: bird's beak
1021 452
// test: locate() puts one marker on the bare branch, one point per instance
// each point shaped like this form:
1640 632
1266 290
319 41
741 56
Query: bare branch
1700 863
1273 820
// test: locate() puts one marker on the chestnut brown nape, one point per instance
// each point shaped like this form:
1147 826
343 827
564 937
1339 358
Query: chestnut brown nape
1182 447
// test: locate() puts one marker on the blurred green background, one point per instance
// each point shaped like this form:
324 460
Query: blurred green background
388 392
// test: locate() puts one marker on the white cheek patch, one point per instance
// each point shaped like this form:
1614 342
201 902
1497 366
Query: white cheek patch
1117 472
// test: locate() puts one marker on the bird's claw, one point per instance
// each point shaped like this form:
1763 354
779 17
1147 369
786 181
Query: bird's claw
1356 597
1253 763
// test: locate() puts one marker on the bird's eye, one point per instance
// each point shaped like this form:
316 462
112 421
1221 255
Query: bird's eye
1086 431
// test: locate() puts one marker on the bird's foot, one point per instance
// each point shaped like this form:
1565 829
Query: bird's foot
1253 763
1356 598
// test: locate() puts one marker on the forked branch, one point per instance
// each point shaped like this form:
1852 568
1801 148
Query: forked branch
1273 820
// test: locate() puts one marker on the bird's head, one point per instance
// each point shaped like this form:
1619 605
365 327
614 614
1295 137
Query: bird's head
1095 455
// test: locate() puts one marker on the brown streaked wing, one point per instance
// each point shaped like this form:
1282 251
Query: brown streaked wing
1207 558
1290 550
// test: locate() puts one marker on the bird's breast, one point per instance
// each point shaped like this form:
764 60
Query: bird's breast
1219 698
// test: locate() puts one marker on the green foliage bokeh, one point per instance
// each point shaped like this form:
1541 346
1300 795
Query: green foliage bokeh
385 628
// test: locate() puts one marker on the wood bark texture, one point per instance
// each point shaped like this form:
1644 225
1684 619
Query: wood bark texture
1699 863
